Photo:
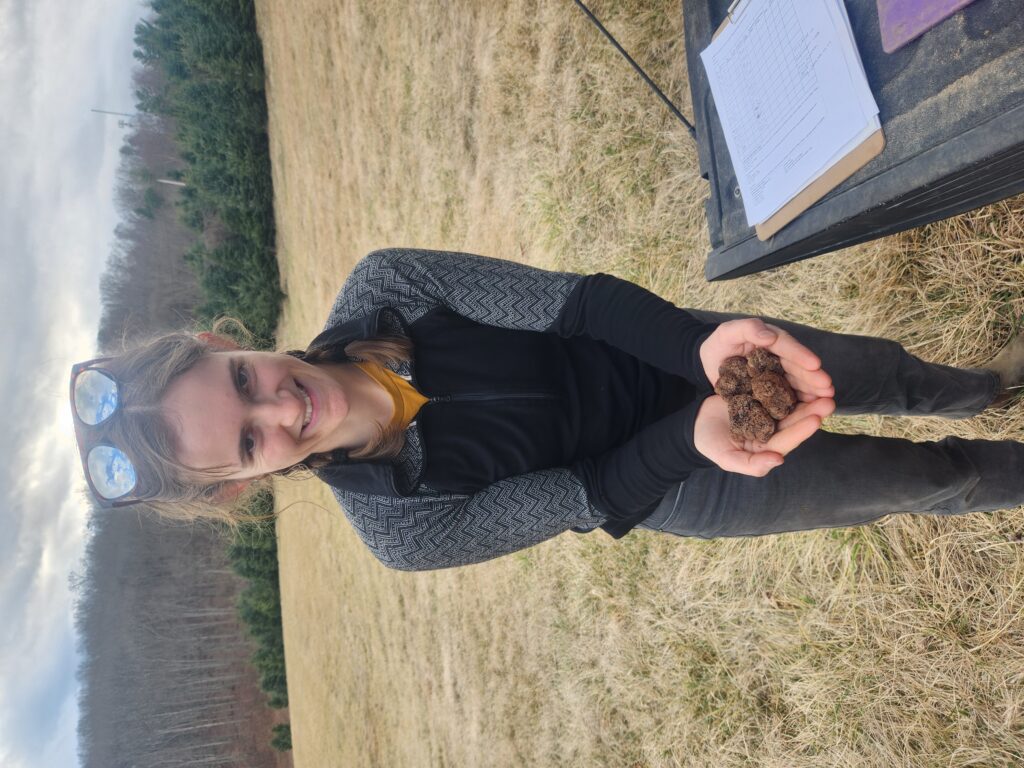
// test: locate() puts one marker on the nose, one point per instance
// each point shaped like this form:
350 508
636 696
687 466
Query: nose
282 409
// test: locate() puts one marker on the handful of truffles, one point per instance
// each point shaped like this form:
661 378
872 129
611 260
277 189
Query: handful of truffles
757 392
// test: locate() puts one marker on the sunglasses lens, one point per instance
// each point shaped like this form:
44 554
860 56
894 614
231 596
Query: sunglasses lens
111 472
95 397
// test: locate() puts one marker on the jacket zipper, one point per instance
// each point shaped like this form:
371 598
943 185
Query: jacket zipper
477 396
469 397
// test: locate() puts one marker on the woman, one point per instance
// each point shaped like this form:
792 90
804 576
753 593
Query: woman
464 407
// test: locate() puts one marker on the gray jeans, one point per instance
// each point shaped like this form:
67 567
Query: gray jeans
836 480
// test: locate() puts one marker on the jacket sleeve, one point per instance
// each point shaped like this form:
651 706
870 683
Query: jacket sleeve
626 483
443 530
517 296
636 321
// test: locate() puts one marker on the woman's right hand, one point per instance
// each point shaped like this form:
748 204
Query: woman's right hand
711 436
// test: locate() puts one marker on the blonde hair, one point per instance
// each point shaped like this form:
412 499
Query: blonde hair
143 432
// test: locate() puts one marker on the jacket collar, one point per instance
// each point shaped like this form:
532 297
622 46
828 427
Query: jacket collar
372 477
330 344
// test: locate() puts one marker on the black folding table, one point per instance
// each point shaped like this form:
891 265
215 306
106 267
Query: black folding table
951 105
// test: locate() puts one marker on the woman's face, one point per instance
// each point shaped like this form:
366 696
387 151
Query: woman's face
253 413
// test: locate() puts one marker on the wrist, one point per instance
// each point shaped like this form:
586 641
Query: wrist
695 434
703 366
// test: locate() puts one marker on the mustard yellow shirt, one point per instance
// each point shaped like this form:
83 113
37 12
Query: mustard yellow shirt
407 400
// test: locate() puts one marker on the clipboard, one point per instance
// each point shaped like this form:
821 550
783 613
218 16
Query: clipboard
847 165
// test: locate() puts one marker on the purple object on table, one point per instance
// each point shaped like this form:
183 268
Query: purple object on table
903 20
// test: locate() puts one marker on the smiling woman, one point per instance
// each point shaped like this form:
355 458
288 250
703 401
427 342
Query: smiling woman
539 402
281 409
283 412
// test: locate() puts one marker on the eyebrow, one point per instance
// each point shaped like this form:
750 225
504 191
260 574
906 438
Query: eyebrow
243 458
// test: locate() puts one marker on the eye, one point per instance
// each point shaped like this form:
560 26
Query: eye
243 377
249 443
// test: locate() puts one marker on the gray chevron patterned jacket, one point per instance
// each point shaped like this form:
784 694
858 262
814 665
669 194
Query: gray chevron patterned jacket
634 366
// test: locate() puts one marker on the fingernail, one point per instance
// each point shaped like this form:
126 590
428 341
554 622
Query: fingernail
766 334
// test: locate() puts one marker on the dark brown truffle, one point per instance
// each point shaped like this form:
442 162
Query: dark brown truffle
774 393
737 364
733 377
761 360
748 419
757 393
730 384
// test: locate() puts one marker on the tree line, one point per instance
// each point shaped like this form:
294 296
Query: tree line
212 87
209 80
253 555
147 286
165 681
165 671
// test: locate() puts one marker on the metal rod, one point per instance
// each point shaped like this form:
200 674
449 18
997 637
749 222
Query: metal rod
108 112
674 109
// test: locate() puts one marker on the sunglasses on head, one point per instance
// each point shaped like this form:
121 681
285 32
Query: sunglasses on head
95 400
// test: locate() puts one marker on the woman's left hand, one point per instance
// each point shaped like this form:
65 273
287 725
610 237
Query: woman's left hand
739 337
713 439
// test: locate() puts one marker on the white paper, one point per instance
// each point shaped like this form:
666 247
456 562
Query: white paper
791 95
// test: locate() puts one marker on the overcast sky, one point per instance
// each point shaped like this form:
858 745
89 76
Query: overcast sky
58 60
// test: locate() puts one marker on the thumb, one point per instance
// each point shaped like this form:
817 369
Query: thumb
753 464
760 464
755 331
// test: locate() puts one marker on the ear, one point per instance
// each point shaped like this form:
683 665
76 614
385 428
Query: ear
216 341
229 491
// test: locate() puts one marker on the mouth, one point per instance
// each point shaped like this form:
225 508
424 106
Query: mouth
307 418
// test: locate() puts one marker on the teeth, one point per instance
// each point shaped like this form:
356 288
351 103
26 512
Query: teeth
309 407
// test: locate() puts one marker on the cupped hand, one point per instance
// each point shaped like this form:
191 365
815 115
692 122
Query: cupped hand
711 436
739 337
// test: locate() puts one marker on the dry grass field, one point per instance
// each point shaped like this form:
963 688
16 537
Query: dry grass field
512 129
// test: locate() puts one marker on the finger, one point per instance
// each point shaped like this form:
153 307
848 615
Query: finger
811 379
788 348
747 463
785 440
821 407
817 382
808 397
751 330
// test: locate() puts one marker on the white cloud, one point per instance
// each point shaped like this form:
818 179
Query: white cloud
58 59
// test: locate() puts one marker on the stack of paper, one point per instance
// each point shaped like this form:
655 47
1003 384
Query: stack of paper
792 96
